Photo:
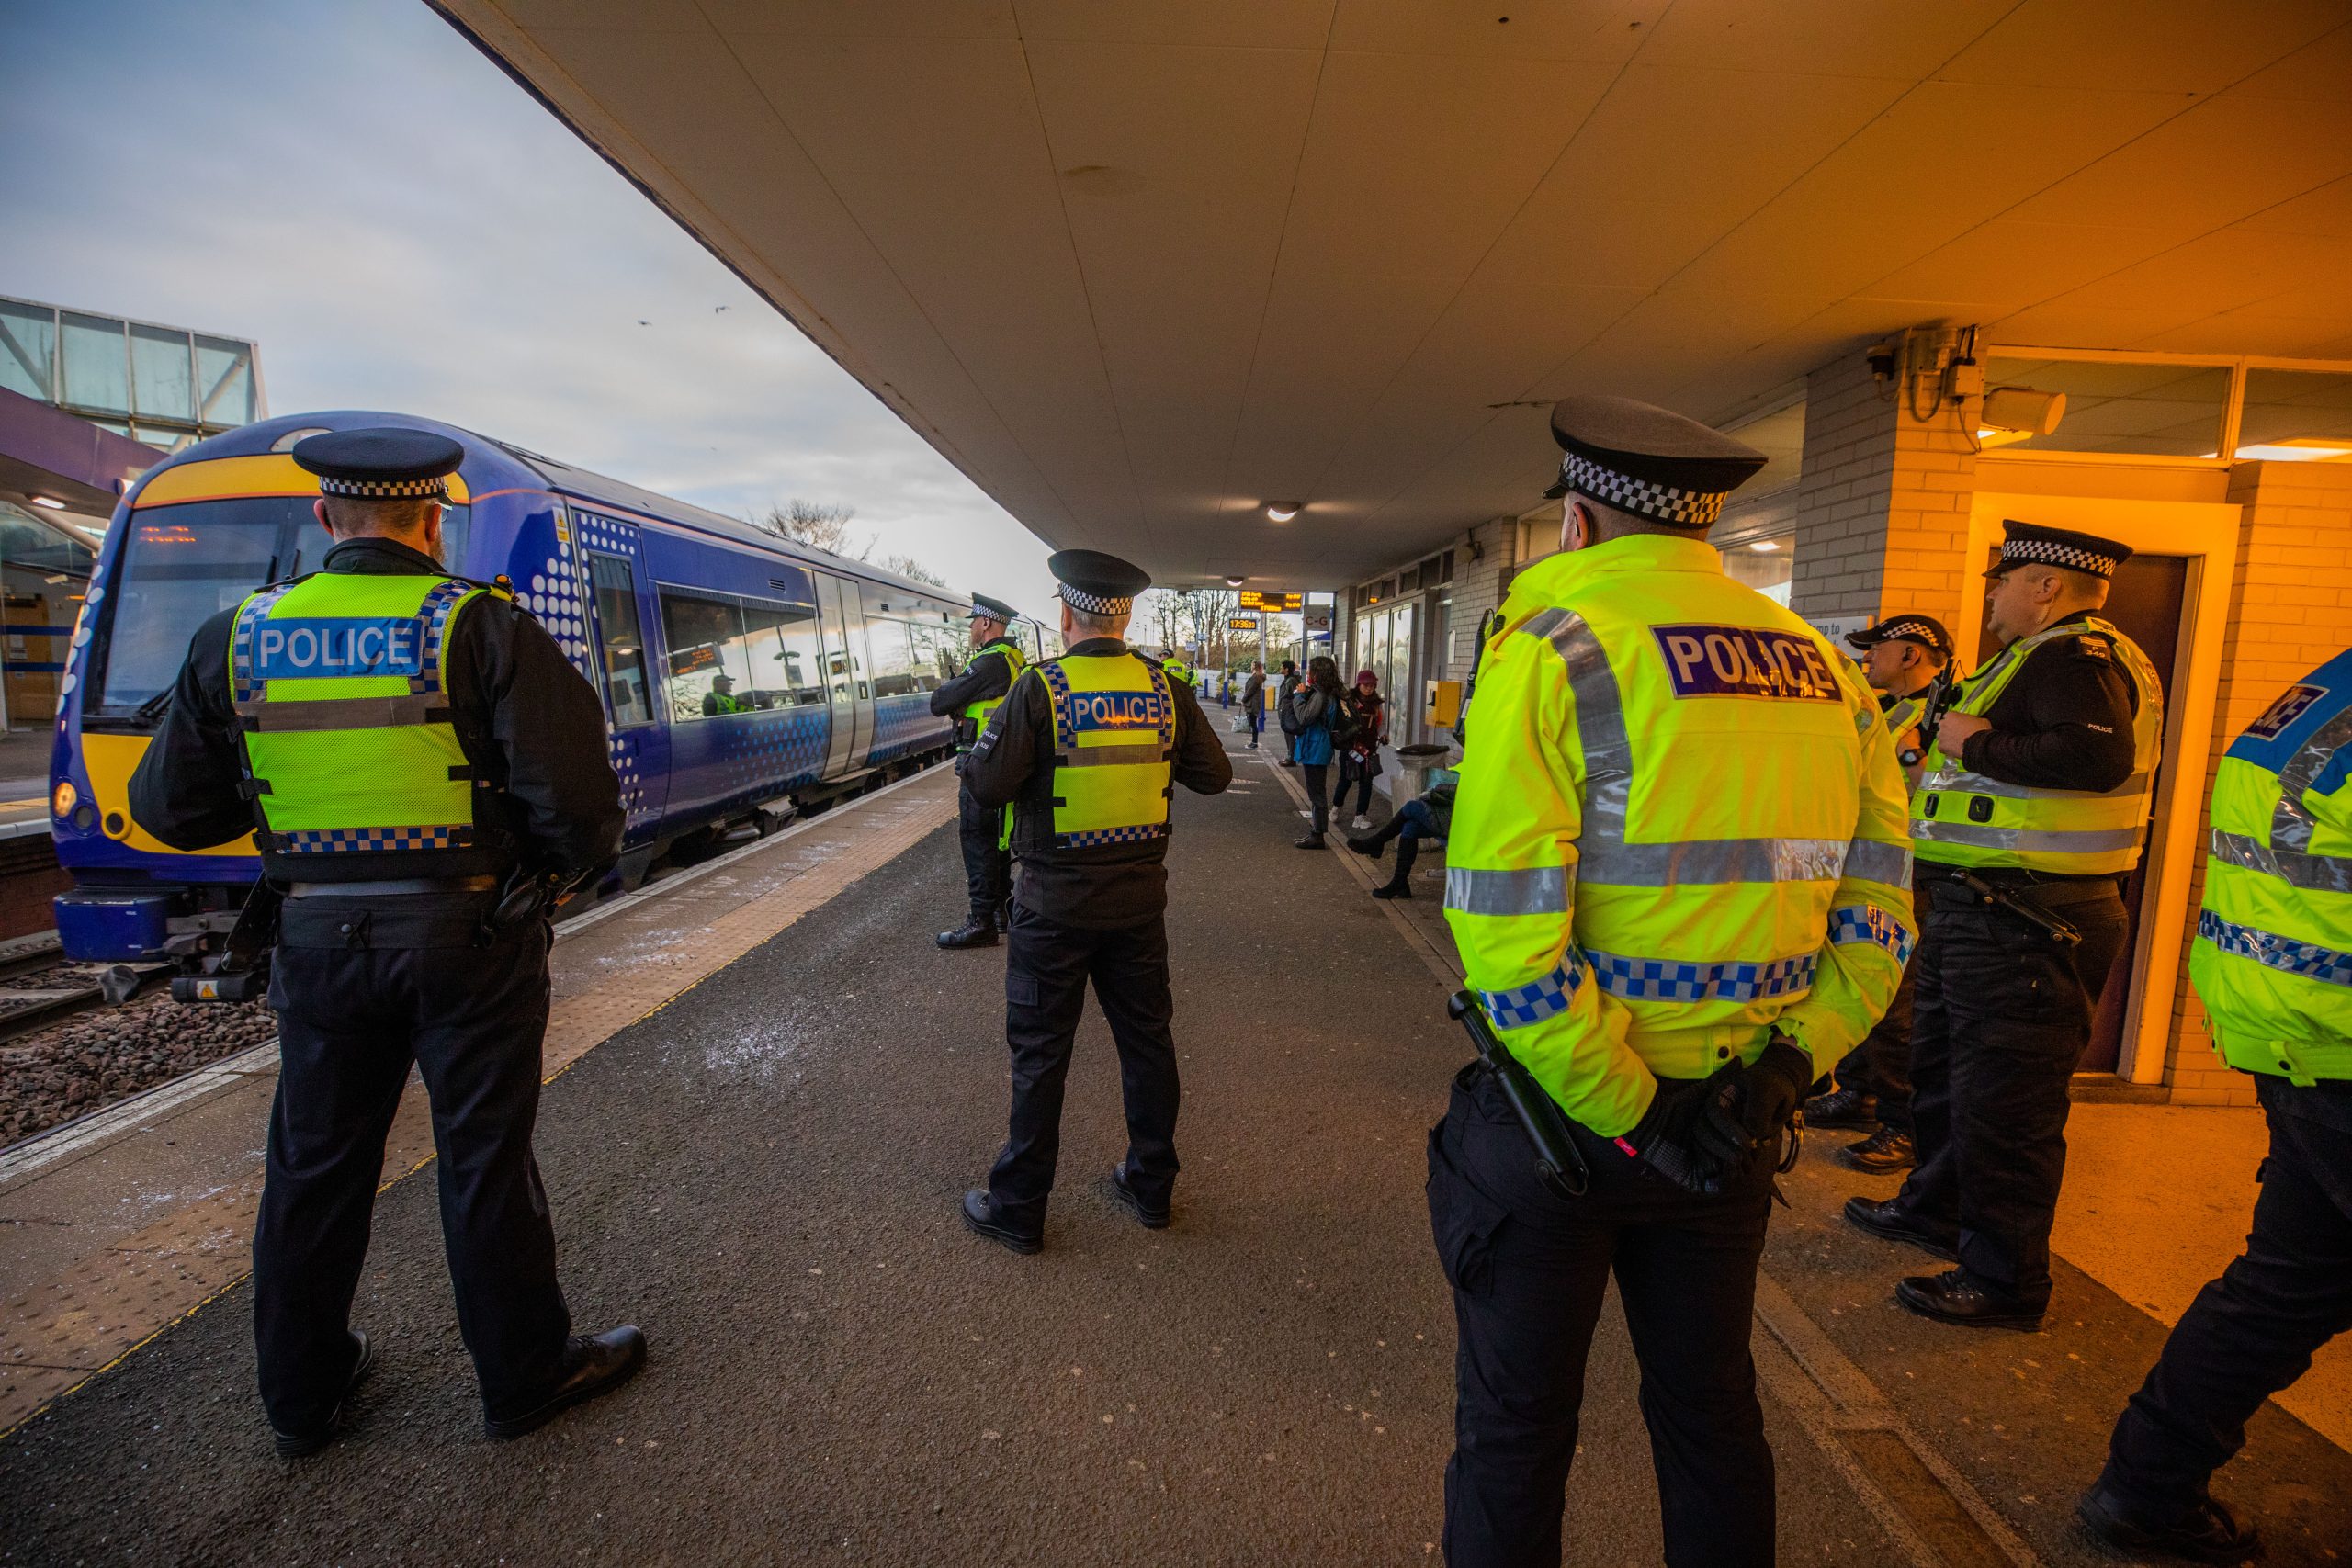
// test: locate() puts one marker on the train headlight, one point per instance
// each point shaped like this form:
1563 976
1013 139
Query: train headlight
61 803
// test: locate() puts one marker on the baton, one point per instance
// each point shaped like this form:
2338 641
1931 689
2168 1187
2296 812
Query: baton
1557 1159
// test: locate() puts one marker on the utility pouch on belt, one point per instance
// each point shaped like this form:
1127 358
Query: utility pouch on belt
357 926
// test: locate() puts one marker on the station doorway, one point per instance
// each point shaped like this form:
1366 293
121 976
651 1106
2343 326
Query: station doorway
2172 599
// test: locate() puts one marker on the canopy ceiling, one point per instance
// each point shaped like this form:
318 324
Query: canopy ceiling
1138 267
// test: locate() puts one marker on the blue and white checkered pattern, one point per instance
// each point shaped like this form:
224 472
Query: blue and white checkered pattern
1056 681
1867 922
438 606
2275 951
250 617
1538 1000
1143 834
371 840
1667 980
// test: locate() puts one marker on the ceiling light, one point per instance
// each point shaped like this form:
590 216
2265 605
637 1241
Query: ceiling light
1765 545
1282 511
49 500
2296 449
1235 581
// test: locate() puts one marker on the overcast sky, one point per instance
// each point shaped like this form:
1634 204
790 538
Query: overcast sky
352 185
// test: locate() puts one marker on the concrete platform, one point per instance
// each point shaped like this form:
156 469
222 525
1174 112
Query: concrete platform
762 1168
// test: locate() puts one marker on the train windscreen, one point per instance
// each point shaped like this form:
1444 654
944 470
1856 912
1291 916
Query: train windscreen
182 565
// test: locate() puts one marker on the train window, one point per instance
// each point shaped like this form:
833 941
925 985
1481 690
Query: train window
780 650
894 660
709 674
937 650
623 638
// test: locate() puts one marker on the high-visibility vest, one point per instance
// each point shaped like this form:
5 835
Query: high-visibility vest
1905 713
1178 671
1963 819
340 685
1115 742
976 715
1679 826
2273 953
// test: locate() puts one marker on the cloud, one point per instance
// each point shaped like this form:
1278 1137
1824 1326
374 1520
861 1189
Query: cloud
398 226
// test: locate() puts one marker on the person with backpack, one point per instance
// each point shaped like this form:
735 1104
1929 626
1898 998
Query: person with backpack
1284 715
1324 721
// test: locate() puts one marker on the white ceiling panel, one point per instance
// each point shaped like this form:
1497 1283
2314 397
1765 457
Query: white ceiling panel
1137 268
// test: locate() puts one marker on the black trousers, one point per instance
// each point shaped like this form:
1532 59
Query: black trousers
988 870
2001 1017
1047 965
1880 1064
1528 1271
2251 1332
351 1021
1319 811
1357 770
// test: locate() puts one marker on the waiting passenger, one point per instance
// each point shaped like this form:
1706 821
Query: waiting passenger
1359 756
1253 701
1315 711
1284 715
1427 816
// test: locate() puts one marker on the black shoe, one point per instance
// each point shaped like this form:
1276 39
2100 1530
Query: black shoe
594 1365
2204 1532
1883 1153
1312 841
1290 761
1149 1219
972 933
1890 1221
1366 846
982 1219
301 1444
1842 1108
1392 890
1956 1296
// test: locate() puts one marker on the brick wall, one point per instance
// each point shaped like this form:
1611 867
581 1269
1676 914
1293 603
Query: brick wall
1882 496
1479 586
2291 610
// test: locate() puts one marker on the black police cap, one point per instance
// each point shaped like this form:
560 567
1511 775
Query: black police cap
994 609
382 464
1647 460
2030 544
1097 584
1924 630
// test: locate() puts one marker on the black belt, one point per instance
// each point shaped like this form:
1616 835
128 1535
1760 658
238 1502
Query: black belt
395 887
460 920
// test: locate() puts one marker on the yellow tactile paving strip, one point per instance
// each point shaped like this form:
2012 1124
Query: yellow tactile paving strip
61 1332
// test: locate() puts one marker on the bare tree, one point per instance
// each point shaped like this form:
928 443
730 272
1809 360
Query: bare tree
823 524
907 566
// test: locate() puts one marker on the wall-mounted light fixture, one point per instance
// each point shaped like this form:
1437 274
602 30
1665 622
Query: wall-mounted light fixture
1282 511
1767 545
2021 409
49 500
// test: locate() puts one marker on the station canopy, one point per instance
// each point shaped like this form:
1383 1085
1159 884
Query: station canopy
1142 268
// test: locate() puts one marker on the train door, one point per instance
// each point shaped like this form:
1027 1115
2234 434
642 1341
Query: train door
848 688
619 612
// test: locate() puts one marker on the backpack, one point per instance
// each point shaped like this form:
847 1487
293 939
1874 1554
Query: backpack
1286 715
1346 721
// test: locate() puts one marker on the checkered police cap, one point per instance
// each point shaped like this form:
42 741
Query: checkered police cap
386 489
1095 584
1095 604
1647 460
386 463
2031 544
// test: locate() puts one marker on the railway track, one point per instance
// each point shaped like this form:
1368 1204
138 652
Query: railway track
38 986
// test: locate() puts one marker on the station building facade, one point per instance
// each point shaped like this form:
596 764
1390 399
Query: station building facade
2231 476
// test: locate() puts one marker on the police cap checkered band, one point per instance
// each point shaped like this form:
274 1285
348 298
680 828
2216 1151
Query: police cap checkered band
2031 544
1666 503
1095 604
1922 629
386 489
383 463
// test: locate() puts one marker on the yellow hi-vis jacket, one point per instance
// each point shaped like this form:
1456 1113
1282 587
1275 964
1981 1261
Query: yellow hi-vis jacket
1966 819
2273 954
1680 826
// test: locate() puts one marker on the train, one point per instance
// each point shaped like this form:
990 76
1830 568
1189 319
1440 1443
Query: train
828 662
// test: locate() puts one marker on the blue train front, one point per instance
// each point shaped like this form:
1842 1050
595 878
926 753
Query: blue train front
738 672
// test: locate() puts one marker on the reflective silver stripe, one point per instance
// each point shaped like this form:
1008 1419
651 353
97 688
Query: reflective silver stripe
1713 860
344 713
1601 724
2319 873
1875 861
2083 842
1542 890
2291 825
1960 781
1143 755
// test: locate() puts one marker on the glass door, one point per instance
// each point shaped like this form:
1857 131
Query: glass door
847 689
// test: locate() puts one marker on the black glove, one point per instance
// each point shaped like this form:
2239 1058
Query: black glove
1667 1138
1748 1104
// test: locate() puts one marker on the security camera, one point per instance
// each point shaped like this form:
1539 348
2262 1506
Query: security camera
1880 357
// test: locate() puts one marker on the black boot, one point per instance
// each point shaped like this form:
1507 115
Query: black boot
972 933
982 1217
300 1445
1957 1296
1312 841
1842 1108
2202 1531
1395 887
1883 1153
1368 844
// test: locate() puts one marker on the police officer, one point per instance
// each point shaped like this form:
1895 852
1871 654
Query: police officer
1178 671
2034 801
1677 879
407 747
720 698
971 697
1086 750
1902 657
2273 964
